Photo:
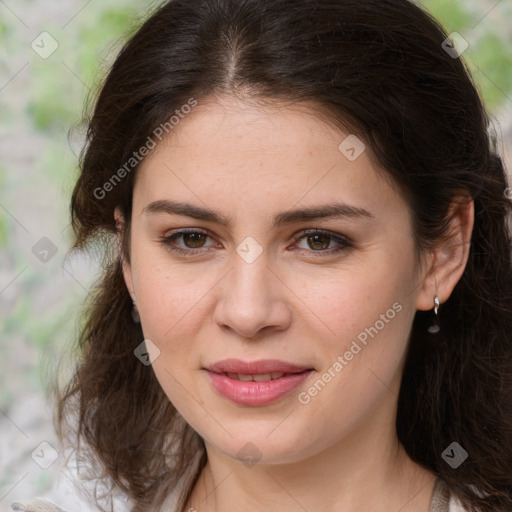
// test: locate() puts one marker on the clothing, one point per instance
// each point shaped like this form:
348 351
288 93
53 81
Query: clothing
441 500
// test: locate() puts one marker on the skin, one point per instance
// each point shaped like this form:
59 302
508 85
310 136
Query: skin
294 302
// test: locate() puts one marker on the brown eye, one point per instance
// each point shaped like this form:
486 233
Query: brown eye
323 242
319 242
187 242
194 240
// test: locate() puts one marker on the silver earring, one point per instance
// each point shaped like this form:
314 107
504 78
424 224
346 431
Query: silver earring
435 327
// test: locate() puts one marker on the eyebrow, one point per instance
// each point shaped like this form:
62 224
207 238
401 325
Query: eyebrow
332 210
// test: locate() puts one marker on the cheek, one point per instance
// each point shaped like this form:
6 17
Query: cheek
348 300
361 363
171 315
369 313
169 296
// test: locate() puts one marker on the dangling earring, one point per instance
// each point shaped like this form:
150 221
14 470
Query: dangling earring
135 313
435 327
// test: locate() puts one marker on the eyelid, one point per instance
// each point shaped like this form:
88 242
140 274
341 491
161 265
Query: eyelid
320 231
344 242
167 240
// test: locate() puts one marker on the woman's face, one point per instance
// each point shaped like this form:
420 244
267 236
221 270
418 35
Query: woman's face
323 318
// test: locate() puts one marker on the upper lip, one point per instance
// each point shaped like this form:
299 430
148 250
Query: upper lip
260 366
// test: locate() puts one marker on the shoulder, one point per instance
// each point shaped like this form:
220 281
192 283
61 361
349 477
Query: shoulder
45 505
40 505
67 493
68 496
455 505
59 500
37 505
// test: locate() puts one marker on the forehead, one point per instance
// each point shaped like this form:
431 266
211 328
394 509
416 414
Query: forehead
228 151
248 126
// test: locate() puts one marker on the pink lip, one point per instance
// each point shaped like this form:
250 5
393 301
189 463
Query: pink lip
252 367
254 393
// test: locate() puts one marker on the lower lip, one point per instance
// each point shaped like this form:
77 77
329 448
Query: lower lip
256 393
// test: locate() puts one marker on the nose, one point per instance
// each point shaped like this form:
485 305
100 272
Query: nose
252 300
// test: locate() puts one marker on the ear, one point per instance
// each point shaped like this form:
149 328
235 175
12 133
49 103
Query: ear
449 258
127 270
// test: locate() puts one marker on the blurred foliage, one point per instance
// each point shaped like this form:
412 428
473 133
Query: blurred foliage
37 323
489 56
3 219
451 13
82 51
4 29
4 32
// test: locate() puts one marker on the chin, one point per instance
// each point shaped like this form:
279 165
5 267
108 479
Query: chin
264 448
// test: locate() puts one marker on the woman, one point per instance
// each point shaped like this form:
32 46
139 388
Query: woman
308 281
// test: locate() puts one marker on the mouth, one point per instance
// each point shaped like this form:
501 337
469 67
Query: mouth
257 377
271 368
256 383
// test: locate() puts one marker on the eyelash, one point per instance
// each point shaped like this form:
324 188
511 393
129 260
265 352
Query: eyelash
344 242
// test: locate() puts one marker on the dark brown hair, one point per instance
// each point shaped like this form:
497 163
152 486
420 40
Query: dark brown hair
378 67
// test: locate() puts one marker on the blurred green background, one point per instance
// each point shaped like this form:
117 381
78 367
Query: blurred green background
40 100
